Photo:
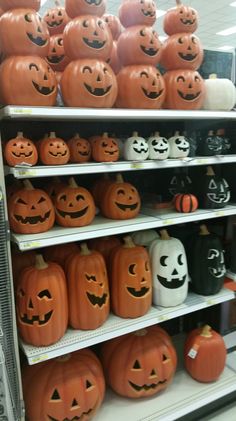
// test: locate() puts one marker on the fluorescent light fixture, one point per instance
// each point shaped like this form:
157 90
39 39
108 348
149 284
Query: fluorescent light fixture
226 48
43 2
162 38
229 31
233 4
160 13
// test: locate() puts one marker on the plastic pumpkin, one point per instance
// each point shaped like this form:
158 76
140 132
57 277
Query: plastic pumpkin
113 60
180 19
105 245
158 147
41 303
185 203
36 82
105 149
179 146
76 8
60 253
53 150
137 12
80 149
56 19
20 150
135 148
220 94
114 25
215 192
15 4
56 57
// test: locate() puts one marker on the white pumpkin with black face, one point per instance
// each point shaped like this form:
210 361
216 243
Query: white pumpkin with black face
169 271
135 148
158 147
179 146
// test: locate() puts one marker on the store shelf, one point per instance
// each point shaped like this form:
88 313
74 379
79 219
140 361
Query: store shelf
101 227
116 326
96 168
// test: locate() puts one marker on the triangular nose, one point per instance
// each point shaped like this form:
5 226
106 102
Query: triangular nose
174 272
153 373
30 304
98 79
74 403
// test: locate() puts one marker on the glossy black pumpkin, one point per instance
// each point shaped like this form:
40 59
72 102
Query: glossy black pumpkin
210 145
215 192
180 183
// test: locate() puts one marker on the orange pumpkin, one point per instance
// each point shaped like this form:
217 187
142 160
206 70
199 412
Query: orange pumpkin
105 149
27 27
53 187
180 19
56 19
53 150
76 8
140 86
20 261
56 55
15 4
30 210
80 149
185 202
88 286
60 252
99 187
41 303
20 150
204 354
185 90
139 364
113 60
182 51
105 245
88 83
137 12
114 25
36 82
74 206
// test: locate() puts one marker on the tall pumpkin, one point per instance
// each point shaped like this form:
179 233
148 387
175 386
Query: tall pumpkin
215 191
180 19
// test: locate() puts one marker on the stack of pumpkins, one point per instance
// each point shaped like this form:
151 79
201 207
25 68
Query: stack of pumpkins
115 27
182 54
140 85
25 76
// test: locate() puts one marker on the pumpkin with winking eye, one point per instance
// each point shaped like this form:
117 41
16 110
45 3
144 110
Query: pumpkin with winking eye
80 149
105 149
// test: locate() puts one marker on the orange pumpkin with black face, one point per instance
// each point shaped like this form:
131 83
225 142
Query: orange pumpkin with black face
185 90
53 150
80 149
56 19
36 82
74 206
182 51
180 19
23 32
20 150
137 12
56 55
15 4
87 37
114 25
105 149
140 86
89 83
76 8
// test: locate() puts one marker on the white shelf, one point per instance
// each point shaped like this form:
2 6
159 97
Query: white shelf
96 168
101 227
116 326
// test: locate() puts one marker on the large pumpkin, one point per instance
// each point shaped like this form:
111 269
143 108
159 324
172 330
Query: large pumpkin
88 83
30 210
15 4
113 24
105 149
180 19
59 253
36 82
137 12
56 54
185 90
20 150
53 150
220 94
140 86
22 32
214 192
80 149
139 364
66 388
76 8
88 286
139 45
41 303
56 19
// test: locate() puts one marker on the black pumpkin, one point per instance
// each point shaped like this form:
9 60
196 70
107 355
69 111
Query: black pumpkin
210 145
206 263
226 142
180 183
215 192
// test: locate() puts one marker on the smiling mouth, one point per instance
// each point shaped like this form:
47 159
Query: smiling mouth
149 51
75 418
44 90
97 91
95 2
58 154
95 43
218 272
173 283
83 153
152 94
146 386
138 293
188 97
140 150
37 319
95 300
72 215
55 59
187 21
55 23
111 152
127 207
148 13
161 150
37 40
26 155
183 149
32 220
219 198
187 57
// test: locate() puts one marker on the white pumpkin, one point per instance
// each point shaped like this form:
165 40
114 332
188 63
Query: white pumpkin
135 148
179 146
220 94
169 271
145 237
158 147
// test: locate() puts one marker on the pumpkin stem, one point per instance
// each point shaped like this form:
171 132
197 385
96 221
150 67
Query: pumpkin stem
157 134
204 230
135 134
206 331
28 185
178 2
176 133
210 171
84 250
164 235
128 242
140 332
105 134
210 133
20 134
119 178
213 76
72 183
76 136
52 135
40 262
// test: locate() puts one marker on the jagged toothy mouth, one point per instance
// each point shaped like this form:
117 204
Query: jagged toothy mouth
140 150
146 386
32 220
26 155
96 300
37 40
40 321
75 418
44 90
55 23
152 94
97 91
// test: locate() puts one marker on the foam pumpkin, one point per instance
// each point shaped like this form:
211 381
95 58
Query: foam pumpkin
105 149
80 149
180 19
140 86
158 147
88 286
71 387
88 83
220 94
76 8
137 12
56 19
185 90
105 245
27 27
56 57
15 4
20 150
215 192
30 210
41 303
53 150
113 24
139 364
74 206
179 146
185 203
135 148
59 253
113 60
169 271
36 82
139 45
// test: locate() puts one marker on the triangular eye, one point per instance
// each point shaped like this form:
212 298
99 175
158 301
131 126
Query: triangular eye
88 384
164 357
136 365
212 185
55 396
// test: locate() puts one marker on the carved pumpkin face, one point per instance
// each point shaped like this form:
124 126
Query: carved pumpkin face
182 51
140 86
179 146
105 149
56 19
27 27
20 150
180 19
76 8
80 149
158 147
185 90
137 12
113 24
216 192
53 150
135 148
89 83
56 54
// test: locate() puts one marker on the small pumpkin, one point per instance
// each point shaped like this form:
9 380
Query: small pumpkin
114 25
185 202
220 94
60 252
56 19
137 12
145 237
80 149
179 146
204 354
53 150
180 19
99 187
136 148
215 192
76 8
56 57
105 245
20 150
158 147
105 149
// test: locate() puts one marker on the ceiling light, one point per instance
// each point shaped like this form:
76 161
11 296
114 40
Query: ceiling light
162 38
233 4
43 2
229 31
160 13
226 48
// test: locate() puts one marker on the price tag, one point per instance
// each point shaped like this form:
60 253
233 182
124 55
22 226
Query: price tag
201 161
168 222
22 110
163 318
211 302
136 165
27 173
193 351
40 358
220 213
30 245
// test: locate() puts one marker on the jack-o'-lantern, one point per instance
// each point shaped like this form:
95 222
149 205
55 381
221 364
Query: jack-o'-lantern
20 150
139 45
88 83
41 303
105 149
210 145
135 148
56 55
180 19
113 60
72 388
131 280
53 150
139 364
30 210
36 82
137 12
74 206
215 192
105 245
179 146
182 51
180 183
158 146
113 24
87 37
140 86
80 149
27 27
56 19
16 4
185 90
120 200
88 286
76 8
99 187
169 271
